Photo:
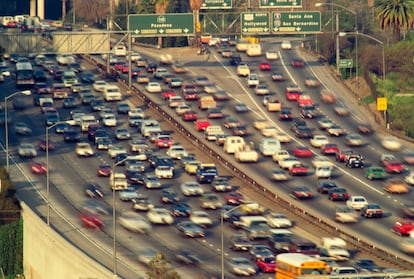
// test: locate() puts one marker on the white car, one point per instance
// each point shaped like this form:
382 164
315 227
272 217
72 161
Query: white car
175 101
409 179
286 45
164 172
269 131
84 149
252 80
278 220
354 140
262 89
176 152
160 215
287 163
356 202
280 155
243 70
138 112
323 172
166 59
134 222
113 151
279 175
282 137
153 87
160 73
391 143
99 85
319 140
181 109
272 54
201 218
27 150
191 188
334 247
268 146
345 214
320 161
109 120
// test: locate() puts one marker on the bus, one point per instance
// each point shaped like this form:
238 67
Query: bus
292 265
24 75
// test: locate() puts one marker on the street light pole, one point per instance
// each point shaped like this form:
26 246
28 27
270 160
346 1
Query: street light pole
6 124
337 43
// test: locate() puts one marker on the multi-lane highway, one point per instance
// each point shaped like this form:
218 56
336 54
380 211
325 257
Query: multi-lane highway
69 173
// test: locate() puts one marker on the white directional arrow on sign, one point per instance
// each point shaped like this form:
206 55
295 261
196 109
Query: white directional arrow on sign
275 29
186 30
136 31
245 30
224 4
265 29
161 31
298 28
204 4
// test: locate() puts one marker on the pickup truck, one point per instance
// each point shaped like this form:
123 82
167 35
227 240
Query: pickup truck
247 155
201 124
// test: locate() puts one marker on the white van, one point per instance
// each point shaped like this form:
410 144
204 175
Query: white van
87 120
233 144
269 146
112 93
254 50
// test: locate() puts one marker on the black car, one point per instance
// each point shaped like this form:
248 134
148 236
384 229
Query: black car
181 209
152 67
71 135
40 76
235 60
169 196
240 242
354 161
309 111
188 257
87 77
93 190
303 132
97 104
69 102
134 176
76 67
366 265
338 194
326 186
285 114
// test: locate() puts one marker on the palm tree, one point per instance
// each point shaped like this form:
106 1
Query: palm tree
160 8
195 6
396 15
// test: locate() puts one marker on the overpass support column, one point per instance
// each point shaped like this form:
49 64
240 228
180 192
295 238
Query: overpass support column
41 9
32 7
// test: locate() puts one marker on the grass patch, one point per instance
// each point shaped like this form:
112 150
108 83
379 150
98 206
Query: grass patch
369 100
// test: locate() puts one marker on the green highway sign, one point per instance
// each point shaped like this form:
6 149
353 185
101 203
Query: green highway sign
255 22
296 22
149 25
216 4
280 3
346 63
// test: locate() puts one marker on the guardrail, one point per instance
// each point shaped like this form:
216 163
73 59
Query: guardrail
300 213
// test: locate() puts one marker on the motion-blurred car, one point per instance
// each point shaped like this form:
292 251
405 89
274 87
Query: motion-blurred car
298 169
134 222
301 193
403 227
338 194
234 198
265 66
297 62
201 218
278 220
169 196
153 87
312 82
391 143
354 140
345 214
396 186
84 149
272 54
104 170
22 129
242 266
160 215
38 167
302 151
319 140
279 175
188 257
240 242
190 229
93 190
91 220
325 186
277 76
147 255
407 246
128 194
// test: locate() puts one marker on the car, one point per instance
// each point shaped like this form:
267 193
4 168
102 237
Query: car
175 82
278 220
164 141
341 110
336 130
319 140
304 100
151 181
240 242
179 68
325 186
201 218
70 135
407 246
343 154
286 45
282 137
303 132
128 194
325 123
403 227
365 128
285 114
409 179
391 143
309 111
252 80
234 198
153 87
164 172
21 128
297 62
143 79
312 82
190 229
122 134
345 214
160 215
241 107
191 167
99 85
366 265
396 186
91 221
279 175
338 194
123 108
191 188
215 113
329 149
241 267
201 81
113 151
221 184
235 60
272 54
266 265
243 70
134 222
104 170
323 172
221 95
260 251
375 173
301 193
354 140
292 92
277 76
147 255
265 66
187 257
210 201
356 202
319 161
27 150
354 161
176 151
38 167
371 210
302 151
84 149
142 203
93 190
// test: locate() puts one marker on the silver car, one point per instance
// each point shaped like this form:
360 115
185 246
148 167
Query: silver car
22 129
242 266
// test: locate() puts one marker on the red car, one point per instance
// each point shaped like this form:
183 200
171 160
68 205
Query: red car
189 116
164 141
202 124
91 221
302 151
42 145
301 193
304 100
341 155
191 96
403 227
298 169
393 166
121 67
104 170
293 93
298 63
265 66
234 198
38 167
266 265
167 94
330 149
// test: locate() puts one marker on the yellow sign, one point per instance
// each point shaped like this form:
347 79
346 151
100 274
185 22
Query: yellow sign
198 26
382 104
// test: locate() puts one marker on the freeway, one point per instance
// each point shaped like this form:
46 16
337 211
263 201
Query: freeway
78 172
